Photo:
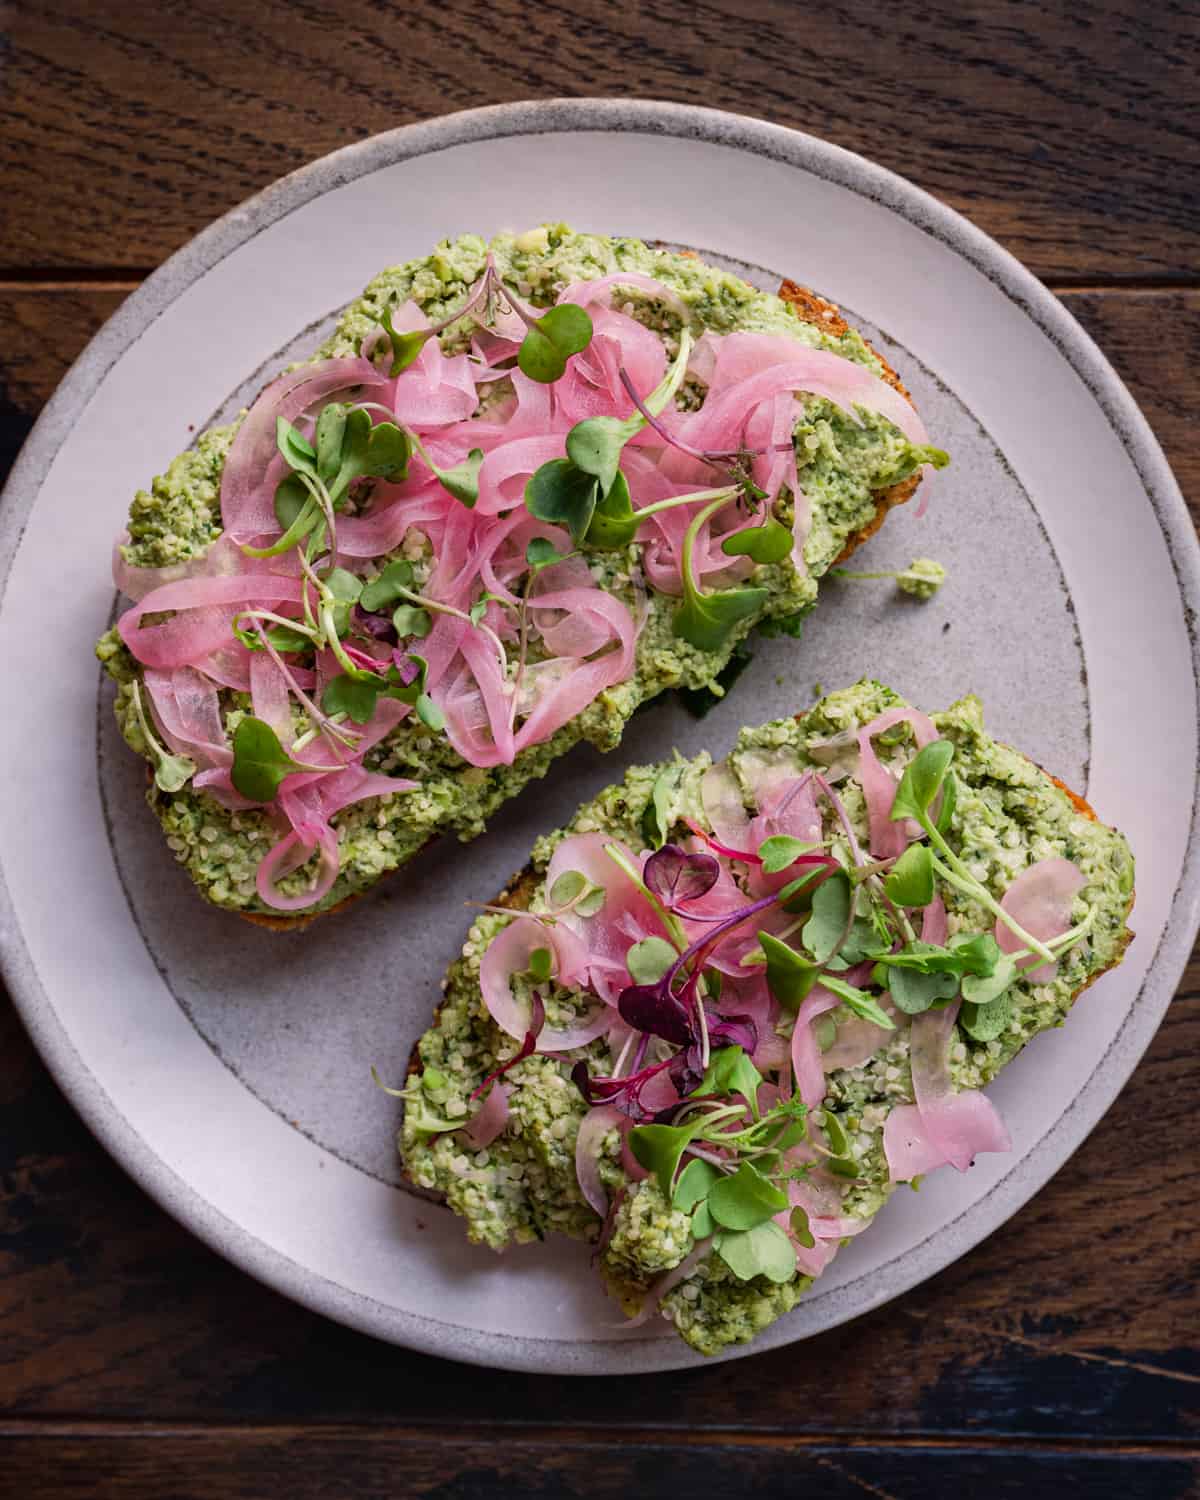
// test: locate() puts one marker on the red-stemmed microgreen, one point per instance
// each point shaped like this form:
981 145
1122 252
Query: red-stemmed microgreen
706 620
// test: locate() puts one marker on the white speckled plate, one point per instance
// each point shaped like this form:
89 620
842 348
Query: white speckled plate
228 1068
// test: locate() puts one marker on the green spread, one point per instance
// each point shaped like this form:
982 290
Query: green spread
1009 815
842 462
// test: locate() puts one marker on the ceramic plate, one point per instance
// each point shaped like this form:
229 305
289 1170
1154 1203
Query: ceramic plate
228 1068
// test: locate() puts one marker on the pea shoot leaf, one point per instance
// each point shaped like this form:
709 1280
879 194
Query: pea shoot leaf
462 480
330 430
834 1134
764 1250
560 493
702 1222
921 781
551 340
659 1147
259 760
594 446
693 1185
649 960
769 543
541 552
389 450
706 621
798 1220
781 850
830 915
353 696
949 802
911 882
976 952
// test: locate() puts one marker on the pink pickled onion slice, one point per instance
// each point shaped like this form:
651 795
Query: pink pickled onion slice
1040 900
594 1126
606 934
601 290
491 1120
509 953
189 715
888 839
806 1055
436 389
858 1040
724 807
286 857
205 608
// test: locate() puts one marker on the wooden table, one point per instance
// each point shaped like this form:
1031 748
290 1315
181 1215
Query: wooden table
1060 1356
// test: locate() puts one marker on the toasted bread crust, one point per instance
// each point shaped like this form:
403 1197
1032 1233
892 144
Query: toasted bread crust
810 309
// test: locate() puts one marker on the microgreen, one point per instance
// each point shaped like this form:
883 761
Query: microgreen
171 772
988 1021
798 1222
388 587
693 1185
911 882
659 1148
657 816
295 447
594 446
769 543
922 780
353 696
411 619
675 876
764 1250
259 761
462 480
706 620
981 990
858 1001
541 552
730 1071
563 495
834 1134
781 851
914 992
551 340
745 1199
789 975
826 929
649 960
405 346
573 891
540 964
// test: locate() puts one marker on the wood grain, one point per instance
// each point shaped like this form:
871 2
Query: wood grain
314 1464
1065 132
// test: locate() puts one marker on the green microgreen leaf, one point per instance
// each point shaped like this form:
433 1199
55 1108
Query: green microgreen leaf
259 760
658 1148
798 1220
834 1133
915 992
702 1221
982 989
292 498
389 450
405 346
295 447
706 620
594 446
976 952
330 430
730 1071
949 802
986 1022
387 588
353 696
479 608
541 552
657 815
551 340
429 713
411 619
922 780
769 543
346 587
764 1250
841 1167
795 895
859 1002
693 1185
745 1200
614 522
591 901
911 882
408 692
831 903
567 889
462 480
650 959
789 976
781 850
540 964
560 493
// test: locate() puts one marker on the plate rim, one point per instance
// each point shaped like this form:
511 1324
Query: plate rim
606 116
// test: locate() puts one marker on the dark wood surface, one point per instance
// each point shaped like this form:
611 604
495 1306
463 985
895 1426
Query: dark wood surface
1058 1357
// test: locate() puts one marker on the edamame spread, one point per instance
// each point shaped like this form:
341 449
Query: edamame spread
843 463
1009 815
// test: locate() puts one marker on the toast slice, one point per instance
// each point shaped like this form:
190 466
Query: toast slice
1009 816
852 473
